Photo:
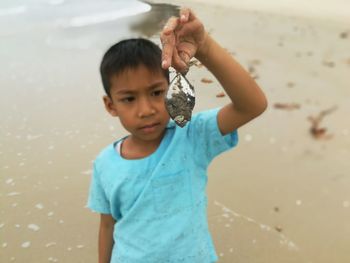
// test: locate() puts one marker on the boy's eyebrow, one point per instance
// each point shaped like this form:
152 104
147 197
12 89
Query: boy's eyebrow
155 85
123 91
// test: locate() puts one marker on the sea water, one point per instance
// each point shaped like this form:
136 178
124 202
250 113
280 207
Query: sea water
66 13
80 24
67 22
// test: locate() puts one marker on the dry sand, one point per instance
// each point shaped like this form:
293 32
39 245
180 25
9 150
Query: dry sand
281 196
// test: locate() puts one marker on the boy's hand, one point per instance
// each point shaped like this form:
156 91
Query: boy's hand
182 38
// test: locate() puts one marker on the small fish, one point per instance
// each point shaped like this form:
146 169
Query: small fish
180 99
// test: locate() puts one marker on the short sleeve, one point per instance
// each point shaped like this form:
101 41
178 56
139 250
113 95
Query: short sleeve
97 200
206 137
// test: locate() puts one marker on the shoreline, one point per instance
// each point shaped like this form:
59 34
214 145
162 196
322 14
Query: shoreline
330 12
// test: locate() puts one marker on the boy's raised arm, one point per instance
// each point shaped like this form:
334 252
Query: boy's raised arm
247 99
184 38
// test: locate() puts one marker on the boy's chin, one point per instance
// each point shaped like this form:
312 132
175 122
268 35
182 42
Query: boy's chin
149 136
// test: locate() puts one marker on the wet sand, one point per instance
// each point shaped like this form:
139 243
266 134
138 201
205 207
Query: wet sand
281 196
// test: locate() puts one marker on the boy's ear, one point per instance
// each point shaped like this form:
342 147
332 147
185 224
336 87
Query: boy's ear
109 105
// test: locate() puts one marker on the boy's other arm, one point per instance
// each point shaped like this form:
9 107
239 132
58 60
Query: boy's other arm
247 99
105 238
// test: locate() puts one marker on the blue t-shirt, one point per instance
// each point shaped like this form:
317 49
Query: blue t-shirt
159 202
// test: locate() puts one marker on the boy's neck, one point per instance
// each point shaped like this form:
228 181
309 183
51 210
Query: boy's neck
135 148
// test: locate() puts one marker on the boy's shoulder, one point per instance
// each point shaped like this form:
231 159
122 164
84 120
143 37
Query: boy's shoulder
209 113
107 154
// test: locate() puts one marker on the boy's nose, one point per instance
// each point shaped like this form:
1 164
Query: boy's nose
145 108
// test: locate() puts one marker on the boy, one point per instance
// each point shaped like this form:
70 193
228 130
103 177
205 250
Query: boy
149 186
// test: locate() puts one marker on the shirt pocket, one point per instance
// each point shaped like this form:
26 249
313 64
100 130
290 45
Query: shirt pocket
172 192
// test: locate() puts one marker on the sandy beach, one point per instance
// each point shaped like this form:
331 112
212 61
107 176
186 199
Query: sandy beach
283 195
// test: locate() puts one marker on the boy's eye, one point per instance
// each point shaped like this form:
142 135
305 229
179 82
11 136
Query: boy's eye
127 99
157 93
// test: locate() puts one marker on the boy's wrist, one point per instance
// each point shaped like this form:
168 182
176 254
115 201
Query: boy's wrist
203 51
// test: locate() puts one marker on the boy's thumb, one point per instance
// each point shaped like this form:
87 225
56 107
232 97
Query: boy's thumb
185 57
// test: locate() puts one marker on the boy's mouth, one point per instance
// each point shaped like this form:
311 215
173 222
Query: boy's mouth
150 127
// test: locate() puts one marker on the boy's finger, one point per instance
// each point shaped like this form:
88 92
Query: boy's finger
168 43
178 63
189 14
191 27
185 57
184 14
171 25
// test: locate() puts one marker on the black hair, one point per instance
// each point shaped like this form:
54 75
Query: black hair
129 54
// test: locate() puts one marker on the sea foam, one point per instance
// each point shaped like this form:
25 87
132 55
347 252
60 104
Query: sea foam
102 17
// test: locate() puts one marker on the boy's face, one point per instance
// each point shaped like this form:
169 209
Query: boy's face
137 98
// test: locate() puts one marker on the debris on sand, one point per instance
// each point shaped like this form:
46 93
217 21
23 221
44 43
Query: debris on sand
252 69
328 63
33 227
287 106
197 63
255 62
344 34
232 53
278 228
50 244
26 244
220 95
290 84
252 72
316 131
206 80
